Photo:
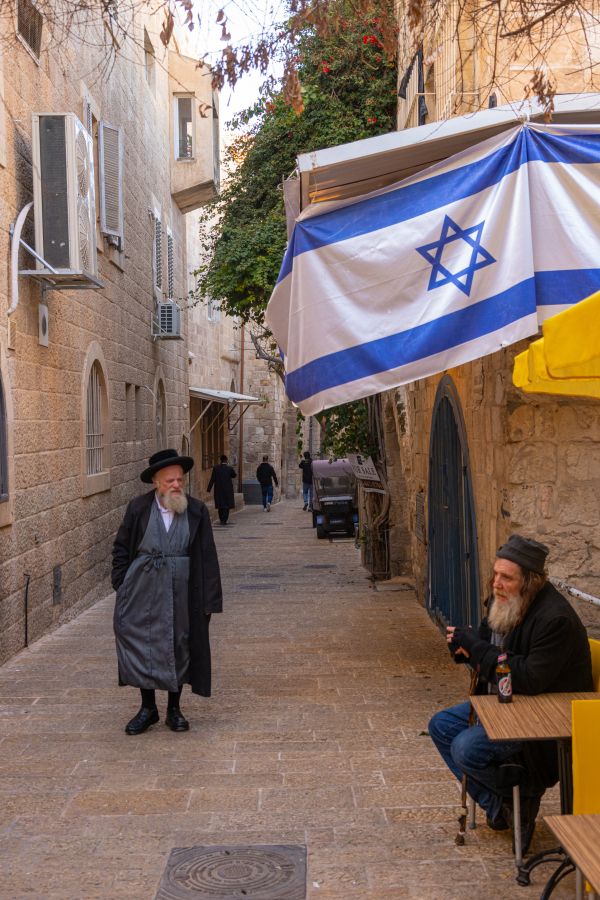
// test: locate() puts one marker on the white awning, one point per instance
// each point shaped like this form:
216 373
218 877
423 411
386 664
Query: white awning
350 170
229 397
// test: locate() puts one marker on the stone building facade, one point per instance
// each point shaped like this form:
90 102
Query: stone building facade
470 458
85 402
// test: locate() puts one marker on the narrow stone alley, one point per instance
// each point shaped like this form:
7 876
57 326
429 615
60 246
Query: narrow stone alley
315 735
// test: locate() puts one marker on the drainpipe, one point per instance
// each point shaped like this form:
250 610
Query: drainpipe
241 444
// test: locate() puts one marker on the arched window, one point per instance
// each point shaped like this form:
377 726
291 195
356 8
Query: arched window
3 447
161 416
96 423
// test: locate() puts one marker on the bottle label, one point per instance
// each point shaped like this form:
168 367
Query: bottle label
505 685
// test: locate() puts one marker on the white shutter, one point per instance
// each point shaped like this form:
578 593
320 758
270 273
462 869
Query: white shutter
170 266
157 255
110 164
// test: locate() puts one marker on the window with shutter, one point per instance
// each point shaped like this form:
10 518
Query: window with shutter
29 26
157 254
3 448
110 164
170 266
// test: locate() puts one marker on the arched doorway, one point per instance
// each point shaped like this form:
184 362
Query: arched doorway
453 570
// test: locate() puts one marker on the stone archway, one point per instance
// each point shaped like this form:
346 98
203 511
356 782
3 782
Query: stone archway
453 576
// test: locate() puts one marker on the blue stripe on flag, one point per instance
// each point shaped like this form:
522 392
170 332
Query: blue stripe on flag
442 334
565 286
436 192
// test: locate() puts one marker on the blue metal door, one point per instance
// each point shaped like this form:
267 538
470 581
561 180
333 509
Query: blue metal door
453 591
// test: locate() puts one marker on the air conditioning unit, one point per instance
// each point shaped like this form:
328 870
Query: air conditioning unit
64 199
166 322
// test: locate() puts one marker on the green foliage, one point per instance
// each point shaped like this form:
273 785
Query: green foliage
346 430
348 90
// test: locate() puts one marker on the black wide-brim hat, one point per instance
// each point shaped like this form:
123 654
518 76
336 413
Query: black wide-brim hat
165 458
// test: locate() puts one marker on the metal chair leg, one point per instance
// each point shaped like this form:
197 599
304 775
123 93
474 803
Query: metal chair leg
472 807
578 884
517 826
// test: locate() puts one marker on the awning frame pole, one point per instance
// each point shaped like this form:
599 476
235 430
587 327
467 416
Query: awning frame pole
246 407
201 416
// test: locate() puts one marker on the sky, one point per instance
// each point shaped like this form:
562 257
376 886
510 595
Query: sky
246 19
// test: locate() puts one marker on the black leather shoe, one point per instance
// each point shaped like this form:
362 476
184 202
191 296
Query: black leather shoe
176 720
498 823
142 721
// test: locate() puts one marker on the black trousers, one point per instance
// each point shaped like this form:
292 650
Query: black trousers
223 514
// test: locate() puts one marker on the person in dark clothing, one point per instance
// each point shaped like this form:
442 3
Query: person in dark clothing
266 476
307 480
166 574
222 480
548 651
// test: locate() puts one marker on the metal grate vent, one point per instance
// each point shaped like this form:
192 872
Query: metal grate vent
167 321
235 873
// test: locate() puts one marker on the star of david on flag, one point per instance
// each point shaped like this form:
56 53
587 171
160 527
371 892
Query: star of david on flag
455 262
451 233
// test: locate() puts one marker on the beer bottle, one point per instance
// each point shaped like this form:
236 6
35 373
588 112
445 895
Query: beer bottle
504 679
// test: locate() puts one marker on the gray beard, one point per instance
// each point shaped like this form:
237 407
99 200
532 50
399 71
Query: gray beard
505 615
176 503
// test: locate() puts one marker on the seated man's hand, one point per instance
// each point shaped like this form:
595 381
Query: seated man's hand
463 640
455 649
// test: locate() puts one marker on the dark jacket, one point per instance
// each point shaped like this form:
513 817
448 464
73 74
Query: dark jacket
306 466
266 474
222 480
548 652
204 590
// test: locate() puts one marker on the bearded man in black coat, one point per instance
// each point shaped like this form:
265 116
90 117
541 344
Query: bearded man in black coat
548 651
166 575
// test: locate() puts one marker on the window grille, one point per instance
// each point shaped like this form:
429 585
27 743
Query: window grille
3 447
446 62
94 429
161 416
29 25
213 310
170 266
157 254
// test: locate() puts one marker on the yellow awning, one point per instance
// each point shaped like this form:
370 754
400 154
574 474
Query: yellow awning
567 359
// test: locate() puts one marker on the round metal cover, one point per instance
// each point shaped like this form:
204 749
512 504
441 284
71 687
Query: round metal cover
235 873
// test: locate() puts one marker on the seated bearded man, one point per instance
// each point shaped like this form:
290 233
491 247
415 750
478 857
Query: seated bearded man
548 651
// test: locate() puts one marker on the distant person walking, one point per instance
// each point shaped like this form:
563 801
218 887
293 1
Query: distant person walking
222 480
266 476
307 484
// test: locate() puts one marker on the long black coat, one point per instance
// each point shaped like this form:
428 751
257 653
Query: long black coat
204 589
548 652
222 480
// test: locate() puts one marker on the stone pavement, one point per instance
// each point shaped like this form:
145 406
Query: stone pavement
315 735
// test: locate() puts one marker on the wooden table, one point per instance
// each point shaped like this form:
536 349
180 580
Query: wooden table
535 717
580 838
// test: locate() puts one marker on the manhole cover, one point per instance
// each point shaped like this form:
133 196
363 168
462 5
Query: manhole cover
250 537
235 873
318 566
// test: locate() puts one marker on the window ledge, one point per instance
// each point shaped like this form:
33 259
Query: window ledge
95 484
6 512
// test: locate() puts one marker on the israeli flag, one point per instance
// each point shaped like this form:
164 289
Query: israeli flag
452 264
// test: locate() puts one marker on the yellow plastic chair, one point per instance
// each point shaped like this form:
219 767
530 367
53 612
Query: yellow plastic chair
595 651
586 740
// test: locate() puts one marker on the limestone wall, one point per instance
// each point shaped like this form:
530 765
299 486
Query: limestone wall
53 533
535 467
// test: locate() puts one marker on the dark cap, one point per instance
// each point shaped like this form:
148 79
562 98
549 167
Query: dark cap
161 460
527 553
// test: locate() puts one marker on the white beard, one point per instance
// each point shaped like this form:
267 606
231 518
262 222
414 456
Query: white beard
176 503
505 614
